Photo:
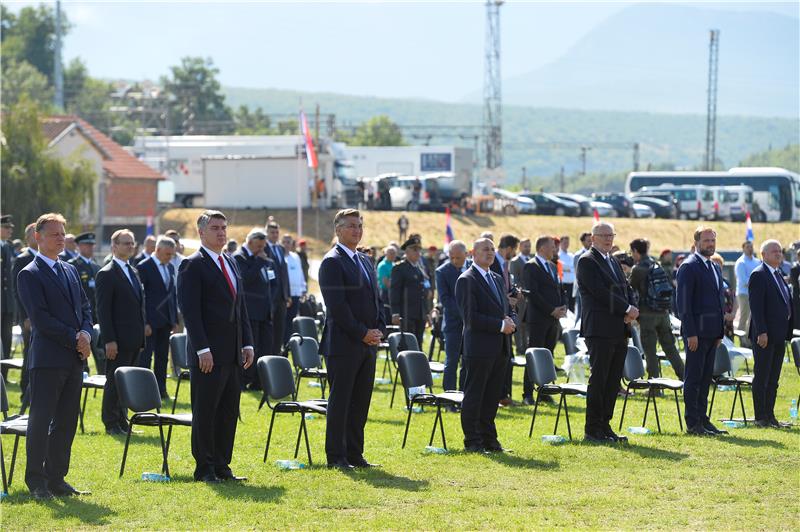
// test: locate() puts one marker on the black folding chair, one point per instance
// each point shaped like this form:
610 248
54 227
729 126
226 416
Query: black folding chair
399 341
723 376
633 372
92 382
307 362
17 426
180 363
437 336
414 372
795 345
305 326
277 382
542 372
138 391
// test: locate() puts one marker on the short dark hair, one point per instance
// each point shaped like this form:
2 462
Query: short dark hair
207 216
346 213
640 245
700 230
585 235
542 240
508 241
47 218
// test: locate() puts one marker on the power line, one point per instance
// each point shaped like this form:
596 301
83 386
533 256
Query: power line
711 117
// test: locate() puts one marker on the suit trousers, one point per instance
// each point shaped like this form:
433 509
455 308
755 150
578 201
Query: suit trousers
607 358
697 379
541 335
113 414
767 364
24 379
55 395
452 379
351 379
483 388
415 326
262 346
158 344
656 326
743 322
6 323
278 325
291 313
521 336
215 412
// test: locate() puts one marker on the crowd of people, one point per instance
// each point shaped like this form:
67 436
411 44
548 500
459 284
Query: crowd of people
483 301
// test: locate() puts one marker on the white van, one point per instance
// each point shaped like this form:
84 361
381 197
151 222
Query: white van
695 202
735 202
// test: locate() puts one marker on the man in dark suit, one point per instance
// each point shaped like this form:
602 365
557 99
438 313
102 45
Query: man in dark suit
545 300
70 248
506 248
7 303
257 271
149 248
409 290
161 308
488 326
123 327
516 268
61 325
22 260
699 304
211 296
606 313
770 327
87 270
353 330
282 299
453 328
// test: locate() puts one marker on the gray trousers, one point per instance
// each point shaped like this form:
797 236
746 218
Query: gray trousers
655 326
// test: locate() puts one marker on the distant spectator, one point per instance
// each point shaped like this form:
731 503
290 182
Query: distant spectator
302 252
402 226
745 265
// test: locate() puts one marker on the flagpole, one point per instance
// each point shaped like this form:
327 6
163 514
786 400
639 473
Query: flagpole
300 178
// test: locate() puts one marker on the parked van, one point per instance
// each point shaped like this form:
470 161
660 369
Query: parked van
735 202
695 202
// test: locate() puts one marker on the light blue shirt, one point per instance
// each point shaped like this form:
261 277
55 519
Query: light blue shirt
744 267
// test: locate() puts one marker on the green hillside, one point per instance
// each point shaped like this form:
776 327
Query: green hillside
787 157
664 138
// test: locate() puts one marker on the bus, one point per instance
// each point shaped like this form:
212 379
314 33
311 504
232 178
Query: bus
776 191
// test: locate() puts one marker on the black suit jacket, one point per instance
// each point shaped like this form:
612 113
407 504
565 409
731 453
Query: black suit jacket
605 297
282 275
407 293
699 302
88 273
120 307
22 260
255 279
161 302
544 292
794 277
769 312
214 318
446 277
483 315
7 300
352 304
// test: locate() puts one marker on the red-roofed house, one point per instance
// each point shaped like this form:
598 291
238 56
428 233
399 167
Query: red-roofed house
127 189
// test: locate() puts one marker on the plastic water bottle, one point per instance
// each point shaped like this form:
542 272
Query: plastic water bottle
154 477
733 424
309 417
553 438
639 430
85 375
415 390
290 464
314 384
435 450
436 376
382 380
793 410
726 388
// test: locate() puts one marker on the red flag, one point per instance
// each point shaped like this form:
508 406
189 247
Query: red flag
596 216
448 231
311 154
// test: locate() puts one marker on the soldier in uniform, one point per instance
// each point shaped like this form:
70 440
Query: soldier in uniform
410 286
22 260
7 303
87 270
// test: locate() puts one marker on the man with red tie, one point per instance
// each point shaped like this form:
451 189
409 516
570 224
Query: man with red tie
219 343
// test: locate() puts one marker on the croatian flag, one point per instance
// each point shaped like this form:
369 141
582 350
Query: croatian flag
311 155
448 230
748 236
596 216
149 231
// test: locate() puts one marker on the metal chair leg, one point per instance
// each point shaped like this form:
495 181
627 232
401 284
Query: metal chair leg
624 405
83 407
177 391
733 405
655 409
713 395
3 468
394 387
566 415
305 434
441 427
435 422
125 451
646 409
741 403
13 461
678 406
558 415
408 424
165 464
269 435
535 408
299 433
296 386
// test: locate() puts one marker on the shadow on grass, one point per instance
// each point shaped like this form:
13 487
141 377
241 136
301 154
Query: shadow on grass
245 491
512 460
746 442
381 478
66 507
648 452
400 422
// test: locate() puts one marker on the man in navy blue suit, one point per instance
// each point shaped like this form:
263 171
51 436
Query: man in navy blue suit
770 327
353 330
488 327
699 305
161 307
220 344
61 325
446 276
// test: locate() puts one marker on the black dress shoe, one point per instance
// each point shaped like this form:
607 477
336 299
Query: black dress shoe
41 494
228 475
711 428
762 423
474 449
774 423
208 478
497 448
528 401
609 433
65 490
116 431
342 465
547 399
699 430
361 462
596 438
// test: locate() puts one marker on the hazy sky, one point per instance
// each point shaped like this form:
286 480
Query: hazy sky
393 49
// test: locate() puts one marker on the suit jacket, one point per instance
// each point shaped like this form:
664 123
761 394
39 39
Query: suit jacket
7 300
605 297
544 293
483 315
67 255
56 315
88 273
214 318
769 312
255 280
352 304
699 301
446 277
22 260
281 275
407 293
120 307
794 277
161 301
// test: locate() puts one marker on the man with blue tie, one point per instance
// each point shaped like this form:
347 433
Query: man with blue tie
282 298
61 324
699 305
161 308
123 327
453 328
771 319
488 327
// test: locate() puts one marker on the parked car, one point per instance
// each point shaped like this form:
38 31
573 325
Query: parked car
695 202
551 204
509 203
603 209
661 208
641 210
621 203
584 202
661 195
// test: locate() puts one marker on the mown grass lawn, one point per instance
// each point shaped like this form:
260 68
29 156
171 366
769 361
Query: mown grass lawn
748 479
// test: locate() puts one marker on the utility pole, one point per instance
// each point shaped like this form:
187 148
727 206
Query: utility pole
561 180
711 118
492 96
584 149
58 74
524 178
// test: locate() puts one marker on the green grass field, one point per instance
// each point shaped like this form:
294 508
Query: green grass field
748 479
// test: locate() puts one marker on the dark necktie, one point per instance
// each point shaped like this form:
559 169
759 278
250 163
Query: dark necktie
506 277
61 275
782 287
493 286
132 279
611 266
361 271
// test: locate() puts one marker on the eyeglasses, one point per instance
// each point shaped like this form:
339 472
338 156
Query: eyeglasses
608 235
351 226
